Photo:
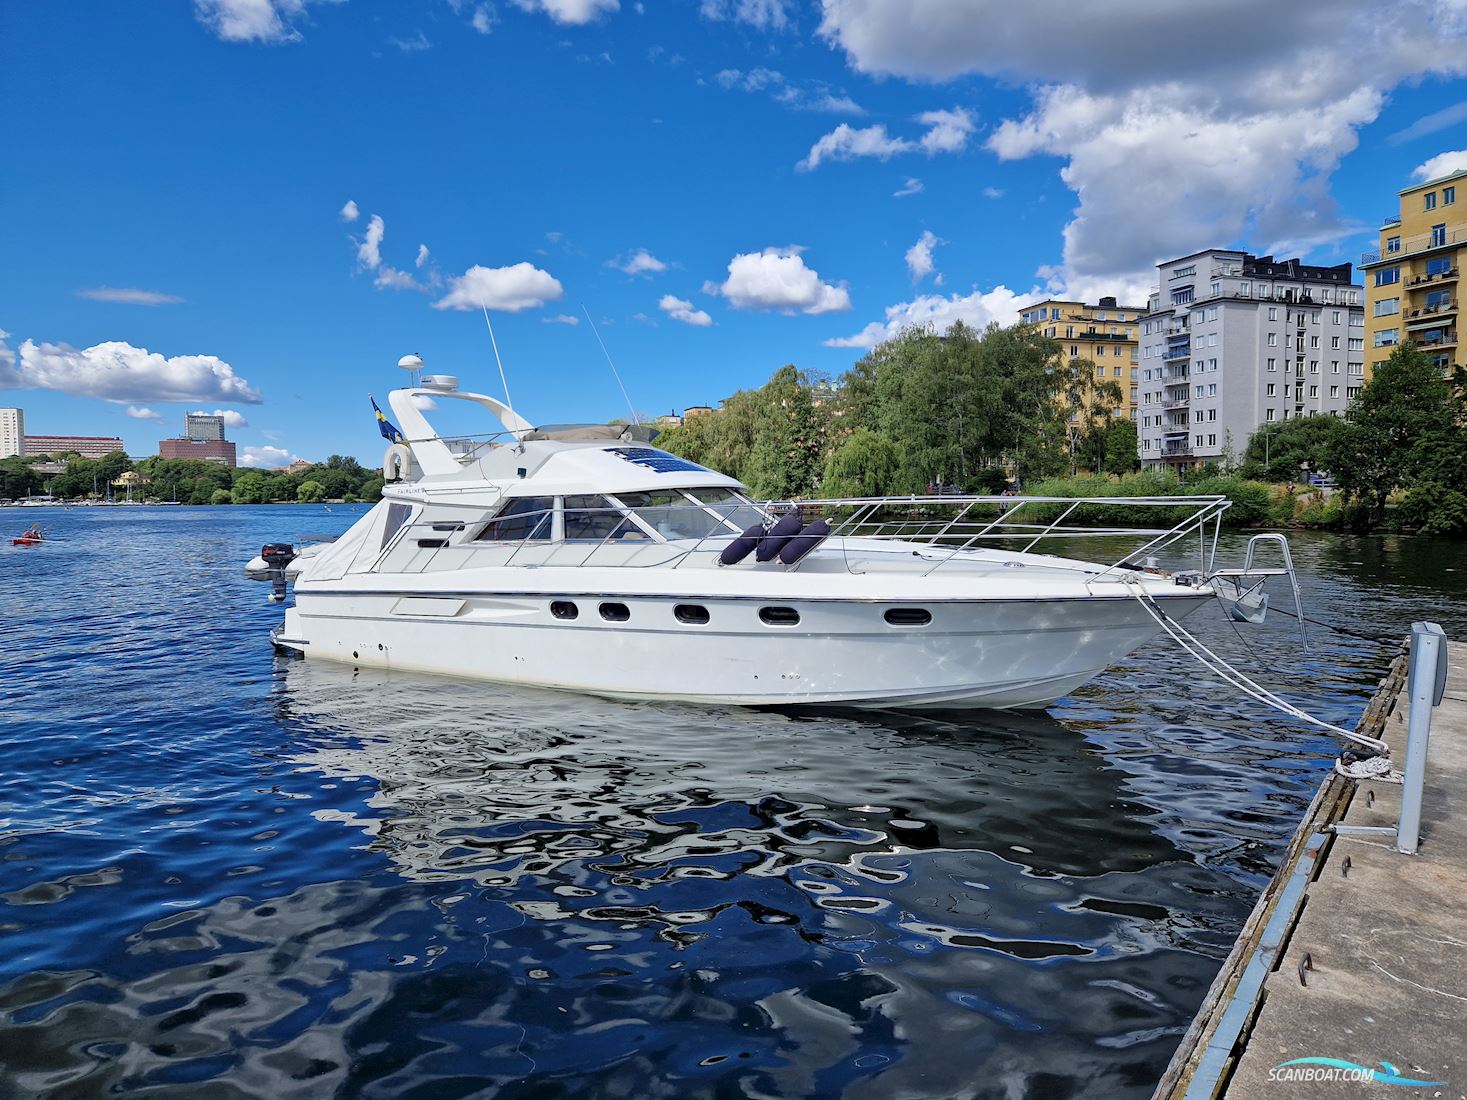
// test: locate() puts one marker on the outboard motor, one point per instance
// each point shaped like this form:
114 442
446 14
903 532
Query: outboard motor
277 556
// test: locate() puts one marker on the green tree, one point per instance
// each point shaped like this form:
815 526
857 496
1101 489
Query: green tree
789 440
311 492
1121 447
17 478
1277 452
221 496
1404 429
864 465
249 488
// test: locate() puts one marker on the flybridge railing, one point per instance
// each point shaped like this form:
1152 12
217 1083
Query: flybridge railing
974 521
950 528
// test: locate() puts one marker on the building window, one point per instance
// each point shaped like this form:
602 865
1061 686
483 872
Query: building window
1074 351
1334 366
1386 337
1430 200
1334 391
1439 266
1216 289
1273 341
1273 313
1314 366
1182 297
1449 196
1268 414
1272 390
1393 244
1338 317
1387 276
1273 364
1313 391
1438 235
1314 341
1357 343
1352 391
1212 389
1212 441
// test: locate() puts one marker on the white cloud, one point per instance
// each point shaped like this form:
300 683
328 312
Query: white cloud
778 279
508 289
815 96
640 262
771 15
422 256
913 186
416 44
143 413
1430 124
130 296
349 212
992 193
919 256
1440 165
369 248
947 132
977 310
119 372
266 457
233 418
390 278
573 12
1179 127
561 319
680 309
483 18
251 20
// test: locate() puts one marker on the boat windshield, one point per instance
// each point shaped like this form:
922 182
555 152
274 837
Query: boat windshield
691 513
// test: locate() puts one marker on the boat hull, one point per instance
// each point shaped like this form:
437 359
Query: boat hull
988 653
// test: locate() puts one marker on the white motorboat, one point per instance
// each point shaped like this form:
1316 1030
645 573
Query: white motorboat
581 558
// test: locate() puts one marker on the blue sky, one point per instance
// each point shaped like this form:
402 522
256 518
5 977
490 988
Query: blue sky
177 232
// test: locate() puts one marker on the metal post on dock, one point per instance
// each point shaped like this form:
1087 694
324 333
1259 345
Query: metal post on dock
1427 683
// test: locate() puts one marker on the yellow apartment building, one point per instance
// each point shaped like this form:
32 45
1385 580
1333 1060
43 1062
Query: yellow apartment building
1412 280
1104 333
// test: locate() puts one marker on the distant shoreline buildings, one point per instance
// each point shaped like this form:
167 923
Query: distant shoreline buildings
202 440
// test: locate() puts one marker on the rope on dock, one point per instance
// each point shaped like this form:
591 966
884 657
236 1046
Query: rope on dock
1219 667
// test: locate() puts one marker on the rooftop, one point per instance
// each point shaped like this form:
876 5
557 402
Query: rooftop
1433 182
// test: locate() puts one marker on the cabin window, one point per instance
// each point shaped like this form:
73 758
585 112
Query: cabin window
564 609
596 519
397 515
908 616
732 508
672 514
779 616
691 613
521 518
615 612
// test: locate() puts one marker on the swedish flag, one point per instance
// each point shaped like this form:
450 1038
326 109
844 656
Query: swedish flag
386 427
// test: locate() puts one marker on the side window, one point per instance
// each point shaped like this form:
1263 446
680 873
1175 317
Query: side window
397 515
521 518
595 519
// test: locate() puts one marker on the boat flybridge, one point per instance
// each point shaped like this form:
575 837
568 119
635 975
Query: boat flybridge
584 558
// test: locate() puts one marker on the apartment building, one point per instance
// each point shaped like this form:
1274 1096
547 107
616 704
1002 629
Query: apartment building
12 432
88 446
1232 343
1104 333
203 427
1412 278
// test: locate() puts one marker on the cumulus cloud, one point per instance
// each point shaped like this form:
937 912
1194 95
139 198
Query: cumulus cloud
777 279
507 289
1118 102
349 212
919 256
947 132
640 262
814 96
117 371
680 309
1441 165
233 418
143 413
561 319
369 248
266 457
977 310
764 14
572 12
913 186
483 18
422 256
130 296
251 20
385 276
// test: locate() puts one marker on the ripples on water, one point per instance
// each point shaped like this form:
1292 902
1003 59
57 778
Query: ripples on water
227 874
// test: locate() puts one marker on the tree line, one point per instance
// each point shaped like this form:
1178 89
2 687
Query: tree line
190 481
920 412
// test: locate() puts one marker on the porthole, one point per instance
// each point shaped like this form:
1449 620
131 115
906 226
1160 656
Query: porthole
908 616
615 612
564 609
432 544
690 613
779 616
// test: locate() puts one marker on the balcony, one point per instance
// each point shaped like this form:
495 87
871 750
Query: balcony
1176 353
1422 242
1447 276
1177 450
1390 220
1436 340
1176 403
1430 315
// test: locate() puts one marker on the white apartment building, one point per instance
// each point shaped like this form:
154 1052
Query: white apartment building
1232 343
12 432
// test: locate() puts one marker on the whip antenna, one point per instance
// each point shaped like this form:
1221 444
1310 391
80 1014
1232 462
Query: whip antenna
495 345
635 419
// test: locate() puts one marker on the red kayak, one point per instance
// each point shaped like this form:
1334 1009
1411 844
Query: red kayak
23 541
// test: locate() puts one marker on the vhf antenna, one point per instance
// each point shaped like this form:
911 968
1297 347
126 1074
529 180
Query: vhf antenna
635 419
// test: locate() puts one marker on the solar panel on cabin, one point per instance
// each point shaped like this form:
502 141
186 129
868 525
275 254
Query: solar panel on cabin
657 461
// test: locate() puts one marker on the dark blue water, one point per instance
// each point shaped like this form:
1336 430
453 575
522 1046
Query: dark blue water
225 874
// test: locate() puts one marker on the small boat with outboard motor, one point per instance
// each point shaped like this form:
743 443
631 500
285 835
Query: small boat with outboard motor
582 557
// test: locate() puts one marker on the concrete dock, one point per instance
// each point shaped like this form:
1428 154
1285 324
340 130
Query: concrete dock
1356 954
